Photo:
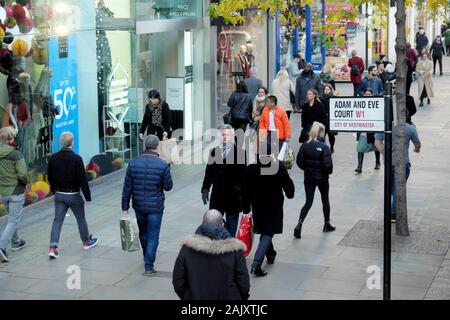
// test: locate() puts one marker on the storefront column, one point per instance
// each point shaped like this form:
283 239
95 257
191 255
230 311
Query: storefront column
87 84
392 34
308 49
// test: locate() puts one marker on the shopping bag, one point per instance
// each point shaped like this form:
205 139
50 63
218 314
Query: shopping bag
168 150
129 234
245 232
286 156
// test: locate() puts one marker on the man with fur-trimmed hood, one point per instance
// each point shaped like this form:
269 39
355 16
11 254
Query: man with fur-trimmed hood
211 264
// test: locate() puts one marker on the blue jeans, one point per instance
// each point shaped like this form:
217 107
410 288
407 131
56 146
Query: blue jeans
231 223
265 247
149 227
14 205
394 201
62 204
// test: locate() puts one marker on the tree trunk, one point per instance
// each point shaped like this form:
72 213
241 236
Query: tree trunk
400 176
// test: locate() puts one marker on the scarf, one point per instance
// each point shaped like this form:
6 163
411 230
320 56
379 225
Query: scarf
260 102
156 110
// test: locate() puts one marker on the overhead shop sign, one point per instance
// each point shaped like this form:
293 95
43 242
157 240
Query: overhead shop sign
354 114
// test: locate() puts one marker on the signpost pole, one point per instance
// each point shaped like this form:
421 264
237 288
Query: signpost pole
387 190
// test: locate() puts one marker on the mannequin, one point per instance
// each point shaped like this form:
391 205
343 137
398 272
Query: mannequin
249 54
241 64
27 132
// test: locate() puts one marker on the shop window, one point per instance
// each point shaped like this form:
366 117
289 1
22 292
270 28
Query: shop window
239 49
26 103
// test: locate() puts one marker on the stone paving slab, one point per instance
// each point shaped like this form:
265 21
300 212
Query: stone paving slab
369 234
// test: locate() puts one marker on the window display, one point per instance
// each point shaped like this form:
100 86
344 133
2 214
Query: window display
25 100
239 49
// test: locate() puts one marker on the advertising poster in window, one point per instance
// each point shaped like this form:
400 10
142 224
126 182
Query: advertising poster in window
63 87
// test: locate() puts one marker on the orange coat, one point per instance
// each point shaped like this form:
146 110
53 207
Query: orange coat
281 120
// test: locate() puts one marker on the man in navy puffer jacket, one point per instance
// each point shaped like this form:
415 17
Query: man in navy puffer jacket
147 178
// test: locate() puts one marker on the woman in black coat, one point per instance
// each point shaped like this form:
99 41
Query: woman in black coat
437 50
315 159
241 107
264 184
157 119
312 110
327 94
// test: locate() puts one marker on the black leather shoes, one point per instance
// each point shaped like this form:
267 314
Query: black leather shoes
258 272
271 258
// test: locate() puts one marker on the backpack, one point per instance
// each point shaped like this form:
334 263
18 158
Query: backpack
354 70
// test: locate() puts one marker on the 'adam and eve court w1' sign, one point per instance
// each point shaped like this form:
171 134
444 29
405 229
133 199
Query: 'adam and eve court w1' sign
354 114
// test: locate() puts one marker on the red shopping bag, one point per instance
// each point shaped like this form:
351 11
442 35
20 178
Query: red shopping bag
245 232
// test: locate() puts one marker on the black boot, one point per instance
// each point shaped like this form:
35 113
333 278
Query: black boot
360 162
327 227
377 160
271 258
258 271
428 102
298 231
421 103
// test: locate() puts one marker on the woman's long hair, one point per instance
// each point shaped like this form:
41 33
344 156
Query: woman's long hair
282 76
316 94
317 131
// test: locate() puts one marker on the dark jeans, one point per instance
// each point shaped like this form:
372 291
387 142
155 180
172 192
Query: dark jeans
332 139
355 89
231 222
394 200
62 204
149 227
310 188
436 59
265 248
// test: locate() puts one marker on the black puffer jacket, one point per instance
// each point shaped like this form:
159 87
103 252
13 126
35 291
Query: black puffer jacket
315 159
241 105
211 266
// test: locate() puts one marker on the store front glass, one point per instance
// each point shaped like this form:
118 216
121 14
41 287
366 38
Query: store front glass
337 54
239 49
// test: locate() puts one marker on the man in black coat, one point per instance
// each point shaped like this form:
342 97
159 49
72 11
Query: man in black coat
225 173
211 264
67 176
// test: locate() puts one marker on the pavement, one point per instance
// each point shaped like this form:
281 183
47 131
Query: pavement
320 266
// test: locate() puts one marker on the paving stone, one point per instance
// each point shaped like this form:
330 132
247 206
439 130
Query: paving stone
332 286
52 287
316 295
262 293
17 284
118 293
11 295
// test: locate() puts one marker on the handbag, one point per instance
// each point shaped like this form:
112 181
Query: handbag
129 234
288 160
168 150
227 118
245 232
303 136
363 146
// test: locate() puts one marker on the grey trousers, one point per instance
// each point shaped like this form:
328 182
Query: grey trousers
14 205
62 203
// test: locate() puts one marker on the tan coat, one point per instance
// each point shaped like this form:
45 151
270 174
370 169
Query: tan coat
423 70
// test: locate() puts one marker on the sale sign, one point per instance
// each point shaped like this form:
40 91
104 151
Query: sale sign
357 114
63 87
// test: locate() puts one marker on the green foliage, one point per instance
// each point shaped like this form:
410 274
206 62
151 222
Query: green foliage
334 25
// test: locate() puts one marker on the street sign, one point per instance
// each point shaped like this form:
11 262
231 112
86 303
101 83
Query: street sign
357 114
